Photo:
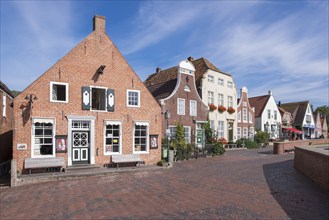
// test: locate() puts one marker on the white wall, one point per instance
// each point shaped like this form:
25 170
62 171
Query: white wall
271 105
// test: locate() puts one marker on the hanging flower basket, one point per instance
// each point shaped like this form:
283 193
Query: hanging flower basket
231 110
212 107
221 108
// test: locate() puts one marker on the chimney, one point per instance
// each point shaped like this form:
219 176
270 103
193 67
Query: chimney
270 93
190 58
158 70
99 23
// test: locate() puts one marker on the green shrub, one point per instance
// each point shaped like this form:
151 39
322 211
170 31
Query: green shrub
218 149
261 137
247 143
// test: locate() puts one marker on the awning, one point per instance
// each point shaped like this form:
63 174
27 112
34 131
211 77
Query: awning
43 120
113 122
141 123
294 130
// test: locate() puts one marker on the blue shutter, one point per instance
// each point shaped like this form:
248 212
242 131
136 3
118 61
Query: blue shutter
110 100
86 97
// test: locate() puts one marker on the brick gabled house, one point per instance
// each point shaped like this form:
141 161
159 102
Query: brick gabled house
88 106
324 125
6 123
245 117
318 125
175 90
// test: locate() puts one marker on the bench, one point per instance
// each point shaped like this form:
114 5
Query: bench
33 163
126 158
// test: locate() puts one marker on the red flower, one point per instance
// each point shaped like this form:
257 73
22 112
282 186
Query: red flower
222 140
221 108
212 107
230 110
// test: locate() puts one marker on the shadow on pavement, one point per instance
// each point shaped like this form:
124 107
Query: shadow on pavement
5 181
297 195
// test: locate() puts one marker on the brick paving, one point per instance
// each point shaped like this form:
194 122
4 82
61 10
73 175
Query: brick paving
242 184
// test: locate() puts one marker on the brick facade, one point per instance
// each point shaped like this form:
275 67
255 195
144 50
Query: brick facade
6 123
94 62
246 117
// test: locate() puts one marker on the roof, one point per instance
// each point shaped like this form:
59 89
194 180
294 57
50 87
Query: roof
162 83
297 110
6 89
282 111
259 104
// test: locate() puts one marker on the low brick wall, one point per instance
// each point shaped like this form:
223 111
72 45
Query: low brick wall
281 147
314 164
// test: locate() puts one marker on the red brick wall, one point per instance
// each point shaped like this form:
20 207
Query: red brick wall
280 147
244 98
314 165
78 68
171 105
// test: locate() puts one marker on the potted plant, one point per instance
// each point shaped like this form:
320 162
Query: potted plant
212 107
231 110
221 108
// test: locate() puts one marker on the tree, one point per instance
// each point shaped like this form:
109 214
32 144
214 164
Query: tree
324 112
179 143
261 137
208 133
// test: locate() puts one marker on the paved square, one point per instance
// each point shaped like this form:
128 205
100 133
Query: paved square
242 184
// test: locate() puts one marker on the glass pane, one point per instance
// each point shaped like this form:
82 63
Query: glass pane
76 154
46 150
38 131
48 132
84 154
48 140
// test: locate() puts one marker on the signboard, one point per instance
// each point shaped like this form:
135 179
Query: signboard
153 141
21 146
199 137
61 143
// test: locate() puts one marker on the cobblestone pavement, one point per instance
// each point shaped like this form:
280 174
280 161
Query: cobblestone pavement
242 184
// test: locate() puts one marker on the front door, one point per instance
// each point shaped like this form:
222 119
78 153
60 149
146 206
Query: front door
80 147
230 131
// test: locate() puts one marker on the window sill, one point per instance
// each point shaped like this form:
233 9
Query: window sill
56 101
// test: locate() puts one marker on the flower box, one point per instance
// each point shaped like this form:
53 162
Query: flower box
231 110
212 107
221 108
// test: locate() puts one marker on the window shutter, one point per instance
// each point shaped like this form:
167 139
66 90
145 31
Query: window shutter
110 100
86 98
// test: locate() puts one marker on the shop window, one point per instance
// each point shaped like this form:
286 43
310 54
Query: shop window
141 137
43 137
112 137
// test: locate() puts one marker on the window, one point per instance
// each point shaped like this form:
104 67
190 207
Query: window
59 92
244 114
112 137
220 99
245 132
229 101
4 100
98 101
180 106
229 84
220 129
193 108
187 133
187 88
275 115
141 137
210 97
133 98
250 117
239 116
251 133
220 82
43 137
212 124
211 78
268 114
239 133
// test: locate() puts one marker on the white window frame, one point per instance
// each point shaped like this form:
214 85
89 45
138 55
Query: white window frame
245 132
238 133
275 115
212 124
193 108
220 99
4 106
211 78
239 116
221 129
268 113
139 98
106 122
220 82
187 130
244 115
229 84
229 101
91 98
210 97
143 123
33 137
180 106
250 117
66 91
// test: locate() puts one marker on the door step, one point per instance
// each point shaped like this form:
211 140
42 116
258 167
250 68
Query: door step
81 167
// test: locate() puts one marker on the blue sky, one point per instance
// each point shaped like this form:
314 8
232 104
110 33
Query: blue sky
280 46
